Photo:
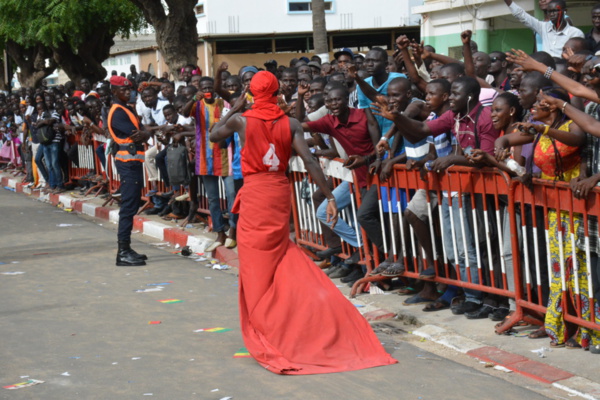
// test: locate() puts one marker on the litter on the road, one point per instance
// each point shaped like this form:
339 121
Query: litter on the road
226 398
67 225
75 357
12 273
154 289
242 353
136 358
207 277
148 394
218 329
66 374
9 188
541 352
359 305
501 368
115 363
186 251
15 262
215 390
170 301
159 284
221 267
154 322
27 383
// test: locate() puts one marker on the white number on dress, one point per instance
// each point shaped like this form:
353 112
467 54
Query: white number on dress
270 159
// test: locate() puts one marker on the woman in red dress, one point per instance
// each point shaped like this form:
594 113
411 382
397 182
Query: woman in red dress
294 320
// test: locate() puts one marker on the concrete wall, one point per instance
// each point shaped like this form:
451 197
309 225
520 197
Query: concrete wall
265 16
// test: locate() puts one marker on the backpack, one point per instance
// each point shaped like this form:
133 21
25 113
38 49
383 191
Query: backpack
177 165
45 134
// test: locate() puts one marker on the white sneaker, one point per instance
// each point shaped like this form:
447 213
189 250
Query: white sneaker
183 197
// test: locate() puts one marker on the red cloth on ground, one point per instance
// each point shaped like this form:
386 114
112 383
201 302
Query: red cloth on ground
294 320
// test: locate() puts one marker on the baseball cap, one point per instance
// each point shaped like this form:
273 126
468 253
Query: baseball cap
345 50
314 64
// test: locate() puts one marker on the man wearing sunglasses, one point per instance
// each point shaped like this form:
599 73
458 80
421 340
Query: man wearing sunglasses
554 32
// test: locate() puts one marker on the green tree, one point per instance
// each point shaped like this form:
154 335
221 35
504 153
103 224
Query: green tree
176 33
75 35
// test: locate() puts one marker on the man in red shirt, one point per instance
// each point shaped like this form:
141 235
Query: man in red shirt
357 132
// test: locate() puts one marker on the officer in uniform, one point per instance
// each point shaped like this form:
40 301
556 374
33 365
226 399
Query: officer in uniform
128 151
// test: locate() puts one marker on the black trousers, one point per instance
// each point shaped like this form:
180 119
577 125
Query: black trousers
132 182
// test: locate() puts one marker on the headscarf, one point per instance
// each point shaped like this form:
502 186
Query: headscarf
264 87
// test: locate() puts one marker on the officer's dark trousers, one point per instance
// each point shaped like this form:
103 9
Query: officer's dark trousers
132 182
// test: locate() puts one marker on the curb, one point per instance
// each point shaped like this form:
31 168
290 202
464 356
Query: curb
574 385
157 230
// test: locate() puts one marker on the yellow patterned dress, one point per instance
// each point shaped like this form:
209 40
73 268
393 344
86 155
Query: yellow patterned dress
564 254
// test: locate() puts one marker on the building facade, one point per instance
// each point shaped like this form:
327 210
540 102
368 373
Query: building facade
493 26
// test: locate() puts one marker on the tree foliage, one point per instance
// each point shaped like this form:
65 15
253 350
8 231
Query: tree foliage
75 35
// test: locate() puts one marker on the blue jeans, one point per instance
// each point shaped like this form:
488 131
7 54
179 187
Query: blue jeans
342 229
474 296
39 157
211 185
230 193
52 163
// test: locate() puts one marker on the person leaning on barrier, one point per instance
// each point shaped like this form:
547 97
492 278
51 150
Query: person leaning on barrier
471 126
128 136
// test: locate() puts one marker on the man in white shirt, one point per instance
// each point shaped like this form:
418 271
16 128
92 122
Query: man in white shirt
555 32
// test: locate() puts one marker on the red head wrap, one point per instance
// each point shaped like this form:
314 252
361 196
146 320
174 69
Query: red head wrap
264 86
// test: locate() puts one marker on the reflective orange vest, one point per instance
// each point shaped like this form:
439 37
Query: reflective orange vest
124 155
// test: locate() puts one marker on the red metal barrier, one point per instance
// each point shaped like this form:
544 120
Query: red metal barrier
568 272
307 228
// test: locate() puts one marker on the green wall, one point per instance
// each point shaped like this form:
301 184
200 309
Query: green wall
488 41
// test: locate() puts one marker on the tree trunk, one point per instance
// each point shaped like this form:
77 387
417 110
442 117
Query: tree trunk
176 32
86 62
31 62
320 29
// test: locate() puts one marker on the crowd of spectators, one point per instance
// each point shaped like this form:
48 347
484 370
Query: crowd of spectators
528 115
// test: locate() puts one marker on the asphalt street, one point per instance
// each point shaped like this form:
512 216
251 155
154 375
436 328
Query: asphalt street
71 318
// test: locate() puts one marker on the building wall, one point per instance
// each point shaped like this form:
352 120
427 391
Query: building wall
494 28
273 16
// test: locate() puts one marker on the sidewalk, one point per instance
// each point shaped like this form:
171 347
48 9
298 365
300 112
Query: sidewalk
574 371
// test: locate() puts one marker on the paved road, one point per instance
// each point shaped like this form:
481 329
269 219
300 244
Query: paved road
74 312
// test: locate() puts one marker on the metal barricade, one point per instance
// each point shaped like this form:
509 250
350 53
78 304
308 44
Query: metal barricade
306 224
466 228
85 167
556 265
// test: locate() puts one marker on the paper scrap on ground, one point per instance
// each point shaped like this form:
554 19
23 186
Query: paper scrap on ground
154 322
159 284
29 382
170 301
154 289
218 329
67 225
541 352
359 305
12 273
221 266
136 358
242 353
226 398
215 390
66 374
501 368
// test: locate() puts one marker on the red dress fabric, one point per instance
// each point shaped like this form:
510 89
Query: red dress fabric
294 320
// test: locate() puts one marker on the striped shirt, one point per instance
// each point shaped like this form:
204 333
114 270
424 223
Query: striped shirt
211 159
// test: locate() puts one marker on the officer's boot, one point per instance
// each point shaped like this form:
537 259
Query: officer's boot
126 257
